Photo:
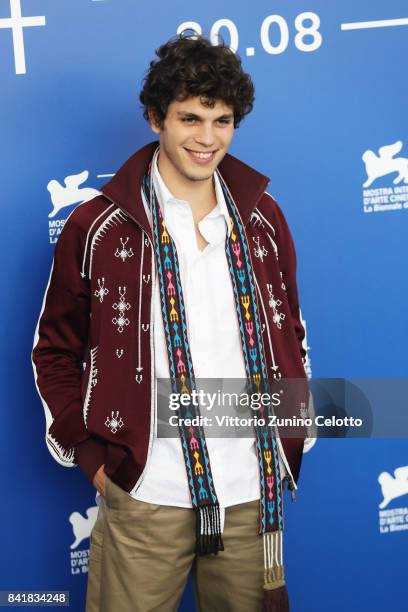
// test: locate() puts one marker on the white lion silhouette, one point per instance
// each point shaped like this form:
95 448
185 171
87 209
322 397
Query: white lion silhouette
70 194
393 487
82 526
384 163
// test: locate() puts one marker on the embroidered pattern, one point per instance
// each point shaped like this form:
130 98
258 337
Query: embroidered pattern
274 303
122 306
255 219
114 422
102 291
119 353
259 251
65 456
124 253
274 245
116 217
264 222
304 412
265 326
92 381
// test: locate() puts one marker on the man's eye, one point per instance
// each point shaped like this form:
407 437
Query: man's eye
224 121
188 120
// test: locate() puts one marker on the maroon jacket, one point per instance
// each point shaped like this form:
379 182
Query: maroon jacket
98 309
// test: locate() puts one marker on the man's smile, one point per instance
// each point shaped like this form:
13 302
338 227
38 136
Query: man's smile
201 157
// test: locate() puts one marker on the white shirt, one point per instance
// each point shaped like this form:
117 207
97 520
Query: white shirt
216 353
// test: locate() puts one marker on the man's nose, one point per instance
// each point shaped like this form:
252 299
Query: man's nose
205 134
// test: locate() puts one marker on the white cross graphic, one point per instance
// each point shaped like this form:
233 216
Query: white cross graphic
16 22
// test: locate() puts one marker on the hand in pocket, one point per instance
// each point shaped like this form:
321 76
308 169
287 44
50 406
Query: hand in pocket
99 480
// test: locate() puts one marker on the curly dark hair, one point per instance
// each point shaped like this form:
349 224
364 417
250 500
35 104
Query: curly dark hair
190 66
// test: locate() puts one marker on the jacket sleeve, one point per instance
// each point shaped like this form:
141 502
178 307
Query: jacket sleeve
287 264
57 355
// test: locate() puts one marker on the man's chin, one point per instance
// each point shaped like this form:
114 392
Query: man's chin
199 174
196 177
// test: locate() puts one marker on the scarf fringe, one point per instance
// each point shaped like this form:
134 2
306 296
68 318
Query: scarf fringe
208 530
275 594
273 549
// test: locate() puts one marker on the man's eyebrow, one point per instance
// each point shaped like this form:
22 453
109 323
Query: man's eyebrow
226 116
187 114
195 116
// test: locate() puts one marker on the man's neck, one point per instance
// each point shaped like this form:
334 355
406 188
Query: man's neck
201 195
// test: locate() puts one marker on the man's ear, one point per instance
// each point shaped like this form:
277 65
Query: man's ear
154 122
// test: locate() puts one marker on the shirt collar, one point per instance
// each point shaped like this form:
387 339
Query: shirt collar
165 197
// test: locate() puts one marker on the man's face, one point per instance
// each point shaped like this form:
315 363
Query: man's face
195 138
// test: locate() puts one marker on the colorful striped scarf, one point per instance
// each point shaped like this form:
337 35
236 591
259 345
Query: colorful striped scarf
197 462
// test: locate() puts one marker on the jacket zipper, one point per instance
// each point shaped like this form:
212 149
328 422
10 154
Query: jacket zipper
152 353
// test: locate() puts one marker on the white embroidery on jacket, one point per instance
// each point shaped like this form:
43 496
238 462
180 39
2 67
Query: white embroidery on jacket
122 306
92 381
259 252
277 375
116 217
124 253
114 422
255 219
272 229
274 303
102 291
119 353
274 245
87 238
65 456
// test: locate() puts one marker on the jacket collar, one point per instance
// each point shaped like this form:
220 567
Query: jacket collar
124 189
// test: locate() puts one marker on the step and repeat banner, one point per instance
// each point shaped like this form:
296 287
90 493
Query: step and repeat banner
329 127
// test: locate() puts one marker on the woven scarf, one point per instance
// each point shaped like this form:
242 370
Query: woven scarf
197 462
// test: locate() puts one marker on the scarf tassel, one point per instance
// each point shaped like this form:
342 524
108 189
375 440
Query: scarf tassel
208 532
275 600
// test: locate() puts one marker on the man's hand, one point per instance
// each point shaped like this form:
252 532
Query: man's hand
99 480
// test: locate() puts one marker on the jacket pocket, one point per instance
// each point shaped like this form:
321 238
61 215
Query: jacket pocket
92 381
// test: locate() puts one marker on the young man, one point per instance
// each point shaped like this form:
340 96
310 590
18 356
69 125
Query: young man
183 268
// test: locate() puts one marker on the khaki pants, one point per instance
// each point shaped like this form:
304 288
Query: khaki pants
141 555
